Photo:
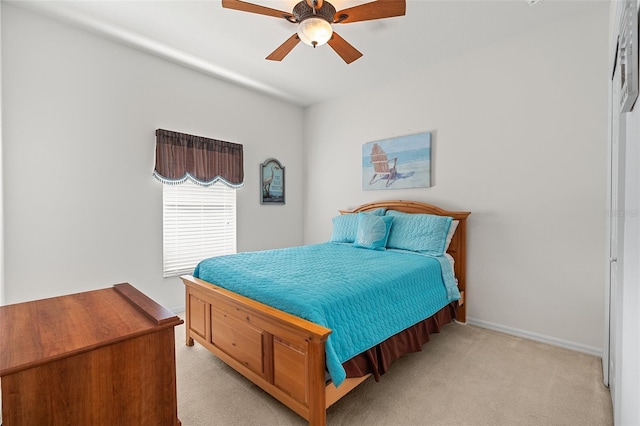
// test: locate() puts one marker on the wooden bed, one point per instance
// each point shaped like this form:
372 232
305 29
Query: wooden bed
282 353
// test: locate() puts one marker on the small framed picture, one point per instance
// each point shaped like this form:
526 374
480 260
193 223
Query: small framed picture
271 182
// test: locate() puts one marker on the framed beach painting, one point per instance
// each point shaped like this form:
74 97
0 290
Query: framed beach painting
398 163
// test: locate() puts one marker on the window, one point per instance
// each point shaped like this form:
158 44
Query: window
198 219
198 222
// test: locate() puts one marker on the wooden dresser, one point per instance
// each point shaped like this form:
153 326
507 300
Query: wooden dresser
103 357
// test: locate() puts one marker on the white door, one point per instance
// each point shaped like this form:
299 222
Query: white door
616 211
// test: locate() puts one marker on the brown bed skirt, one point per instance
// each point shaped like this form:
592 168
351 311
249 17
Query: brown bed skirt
376 361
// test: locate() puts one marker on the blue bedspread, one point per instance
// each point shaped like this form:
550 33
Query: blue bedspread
363 296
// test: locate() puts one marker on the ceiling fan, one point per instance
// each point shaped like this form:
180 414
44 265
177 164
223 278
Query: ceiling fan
314 19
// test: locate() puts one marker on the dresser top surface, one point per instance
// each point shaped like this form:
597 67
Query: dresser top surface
40 331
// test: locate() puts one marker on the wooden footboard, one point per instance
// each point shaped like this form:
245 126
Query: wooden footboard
279 352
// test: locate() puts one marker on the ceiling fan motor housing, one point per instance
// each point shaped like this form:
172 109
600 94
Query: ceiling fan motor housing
303 11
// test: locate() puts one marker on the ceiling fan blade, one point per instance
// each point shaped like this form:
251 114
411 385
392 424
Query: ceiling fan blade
346 51
254 8
376 9
284 49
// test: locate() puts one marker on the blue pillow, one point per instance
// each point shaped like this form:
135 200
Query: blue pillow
424 233
373 231
345 226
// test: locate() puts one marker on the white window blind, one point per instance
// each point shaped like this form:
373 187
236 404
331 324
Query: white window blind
198 222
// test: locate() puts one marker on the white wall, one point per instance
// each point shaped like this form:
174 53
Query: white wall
520 131
82 210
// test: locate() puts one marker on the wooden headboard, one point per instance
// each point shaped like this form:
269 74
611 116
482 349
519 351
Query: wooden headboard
457 248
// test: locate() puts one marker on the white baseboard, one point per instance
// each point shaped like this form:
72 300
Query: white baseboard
176 311
579 347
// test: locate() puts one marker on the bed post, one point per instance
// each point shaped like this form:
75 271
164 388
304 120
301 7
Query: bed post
187 319
317 387
458 249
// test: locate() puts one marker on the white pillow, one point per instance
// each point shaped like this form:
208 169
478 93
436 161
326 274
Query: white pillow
452 230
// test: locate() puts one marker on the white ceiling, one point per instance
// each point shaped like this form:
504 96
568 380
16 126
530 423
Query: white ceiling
232 45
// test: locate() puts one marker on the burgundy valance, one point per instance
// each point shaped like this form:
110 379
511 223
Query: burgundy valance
205 161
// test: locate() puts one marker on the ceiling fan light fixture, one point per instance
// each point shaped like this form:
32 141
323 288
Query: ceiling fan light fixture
315 31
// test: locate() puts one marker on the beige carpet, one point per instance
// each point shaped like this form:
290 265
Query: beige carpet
464 376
